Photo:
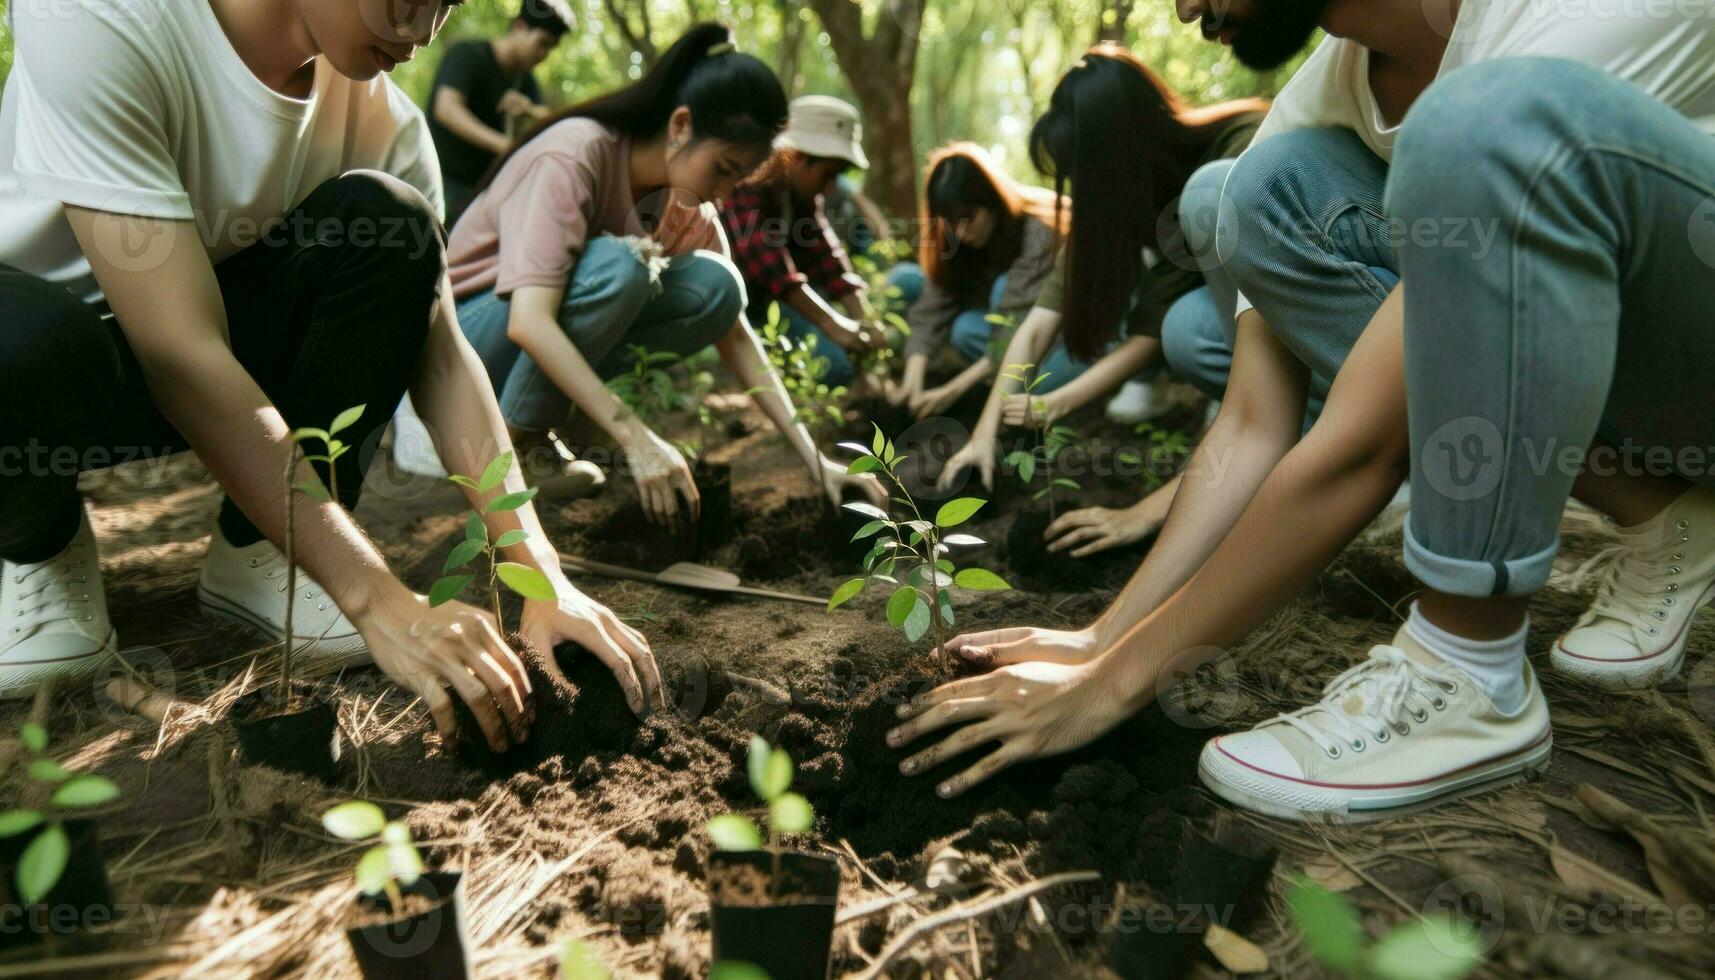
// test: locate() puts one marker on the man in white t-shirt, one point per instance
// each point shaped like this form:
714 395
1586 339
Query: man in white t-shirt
259 211
1544 204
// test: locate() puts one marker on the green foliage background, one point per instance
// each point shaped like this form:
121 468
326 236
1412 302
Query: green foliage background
985 67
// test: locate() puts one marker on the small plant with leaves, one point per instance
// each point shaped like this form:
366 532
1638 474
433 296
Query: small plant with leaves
815 403
1431 948
649 390
52 795
909 555
1168 448
392 862
1052 441
578 961
332 449
522 579
770 771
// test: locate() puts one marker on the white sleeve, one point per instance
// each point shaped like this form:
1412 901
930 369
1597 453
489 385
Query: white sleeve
92 110
410 156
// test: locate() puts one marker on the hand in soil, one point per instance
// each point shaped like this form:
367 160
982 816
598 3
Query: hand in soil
662 477
430 648
578 618
983 652
842 486
935 401
1094 529
1032 709
978 453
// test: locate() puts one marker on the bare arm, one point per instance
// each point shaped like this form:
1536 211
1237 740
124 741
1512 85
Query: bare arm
1111 370
453 112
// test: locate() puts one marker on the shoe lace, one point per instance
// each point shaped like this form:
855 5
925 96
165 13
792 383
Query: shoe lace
1634 583
1391 688
274 567
48 592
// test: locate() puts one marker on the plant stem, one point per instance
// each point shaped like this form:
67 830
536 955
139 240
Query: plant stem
291 581
395 900
494 590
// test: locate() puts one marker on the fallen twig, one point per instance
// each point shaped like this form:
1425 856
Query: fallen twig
968 911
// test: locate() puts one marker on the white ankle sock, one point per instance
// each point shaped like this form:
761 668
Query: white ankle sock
1496 665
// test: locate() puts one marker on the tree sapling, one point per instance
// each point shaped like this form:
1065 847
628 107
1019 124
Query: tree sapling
1431 948
392 862
908 554
1051 440
52 795
803 373
522 579
332 449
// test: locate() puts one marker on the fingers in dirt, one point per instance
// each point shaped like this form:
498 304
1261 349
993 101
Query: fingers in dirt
969 687
993 763
954 745
947 713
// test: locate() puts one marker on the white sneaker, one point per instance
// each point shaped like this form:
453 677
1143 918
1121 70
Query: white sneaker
413 449
248 586
1138 401
1399 731
1648 589
53 618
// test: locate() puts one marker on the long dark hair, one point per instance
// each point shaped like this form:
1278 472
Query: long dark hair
961 177
1144 142
732 96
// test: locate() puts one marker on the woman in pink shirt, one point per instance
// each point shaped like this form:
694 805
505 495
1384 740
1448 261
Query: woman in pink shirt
598 232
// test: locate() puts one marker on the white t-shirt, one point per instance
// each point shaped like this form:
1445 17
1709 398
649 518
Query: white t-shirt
143 107
1669 55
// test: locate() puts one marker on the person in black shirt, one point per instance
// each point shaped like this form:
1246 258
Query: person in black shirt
481 87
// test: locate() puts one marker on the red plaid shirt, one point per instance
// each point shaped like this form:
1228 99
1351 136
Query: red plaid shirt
778 252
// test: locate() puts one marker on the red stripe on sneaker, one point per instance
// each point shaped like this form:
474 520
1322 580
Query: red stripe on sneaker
1416 782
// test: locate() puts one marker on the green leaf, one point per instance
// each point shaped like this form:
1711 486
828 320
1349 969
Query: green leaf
405 863
963 540
945 605
373 870
475 529
579 962
48 771
526 581
311 432
85 791
958 511
346 419
15 822
756 762
776 775
1068 484
34 736
867 510
877 444
733 832
512 537
737 970
863 464
511 501
495 472
1427 949
355 820
845 593
313 489
869 529
464 481
462 554
856 447
980 579
791 814
917 623
42 863
1027 468
900 604
1330 927
445 589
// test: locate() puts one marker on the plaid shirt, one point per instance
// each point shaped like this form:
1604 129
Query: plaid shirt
777 253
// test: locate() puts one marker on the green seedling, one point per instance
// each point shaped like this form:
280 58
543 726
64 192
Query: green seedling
737 970
908 554
522 579
1051 440
392 861
815 403
60 795
1167 449
1432 948
332 449
578 961
770 771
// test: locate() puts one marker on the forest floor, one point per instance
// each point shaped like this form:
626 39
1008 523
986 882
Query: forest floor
598 833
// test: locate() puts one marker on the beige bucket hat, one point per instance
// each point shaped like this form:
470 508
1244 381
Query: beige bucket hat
824 126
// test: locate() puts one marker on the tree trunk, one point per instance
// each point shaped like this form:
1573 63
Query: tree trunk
791 43
881 69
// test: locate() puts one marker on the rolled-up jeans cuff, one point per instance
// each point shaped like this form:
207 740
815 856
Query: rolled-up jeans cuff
1479 579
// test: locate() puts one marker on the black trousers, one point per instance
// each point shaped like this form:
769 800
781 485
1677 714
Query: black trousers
329 310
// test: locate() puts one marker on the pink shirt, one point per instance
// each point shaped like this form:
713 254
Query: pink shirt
572 182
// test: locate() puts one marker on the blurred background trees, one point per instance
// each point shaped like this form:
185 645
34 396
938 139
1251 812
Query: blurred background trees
923 71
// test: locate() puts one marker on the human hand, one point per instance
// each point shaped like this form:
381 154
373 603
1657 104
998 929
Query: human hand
935 401
979 452
1018 644
1094 529
662 476
514 103
1032 411
838 482
575 617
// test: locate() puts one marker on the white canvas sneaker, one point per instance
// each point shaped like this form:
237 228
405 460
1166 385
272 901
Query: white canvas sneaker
53 618
248 586
1398 732
1138 401
413 449
1648 589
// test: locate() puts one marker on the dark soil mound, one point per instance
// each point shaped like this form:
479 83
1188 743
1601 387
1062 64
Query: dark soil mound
1036 568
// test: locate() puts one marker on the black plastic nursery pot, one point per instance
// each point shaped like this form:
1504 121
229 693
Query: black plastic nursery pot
429 941
1220 879
774 910
714 486
300 742
81 899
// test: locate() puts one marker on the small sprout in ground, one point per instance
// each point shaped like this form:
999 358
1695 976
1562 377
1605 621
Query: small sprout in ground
908 554
1051 440
522 579
578 961
1168 448
52 795
1430 948
770 772
737 970
815 403
650 393
392 862
332 449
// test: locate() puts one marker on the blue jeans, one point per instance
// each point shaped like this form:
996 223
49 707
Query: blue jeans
1560 288
907 277
972 333
611 304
